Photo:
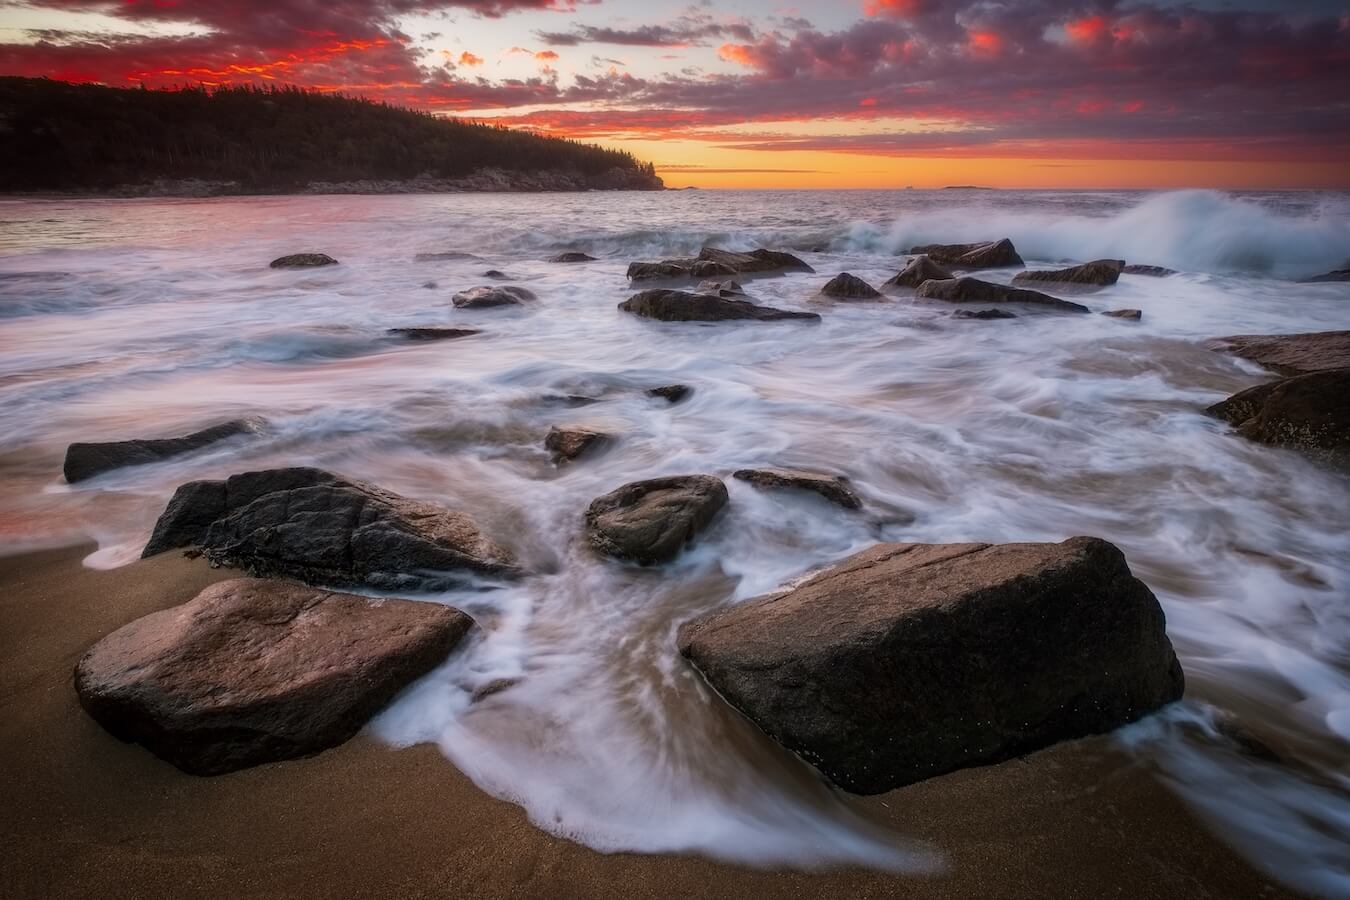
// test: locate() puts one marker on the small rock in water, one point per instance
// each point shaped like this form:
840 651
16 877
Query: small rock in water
444 255
651 521
253 671
1306 412
1132 314
983 314
682 306
673 393
907 661
570 443
972 290
720 288
489 296
1291 354
429 285
572 256
431 333
303 261
920 269
85 460
1089 276
845 286
494 273
832 487
569 400
984 255
1150 271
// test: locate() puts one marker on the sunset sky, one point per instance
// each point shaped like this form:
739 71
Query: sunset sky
758 93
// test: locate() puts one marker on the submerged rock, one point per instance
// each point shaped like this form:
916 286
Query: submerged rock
430 333
1150 271
652 521
983 314
672 393
303 261
1306 412
322 528
444 255
489 295
570 443
253 671
682 306
1132 314
845 286
85 460
1096 274
1291 354
495 273
972 290
572 256
920 269
984 255
906 661
833 488
1334 275
712 263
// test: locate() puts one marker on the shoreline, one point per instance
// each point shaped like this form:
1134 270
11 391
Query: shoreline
91 816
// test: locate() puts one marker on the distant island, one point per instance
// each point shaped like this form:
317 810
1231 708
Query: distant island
968 187
85 139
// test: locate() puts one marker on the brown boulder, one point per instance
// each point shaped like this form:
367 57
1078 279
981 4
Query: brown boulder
833 488
252 671
972 290
303 261
491 295
570 443
906 661
431 333
85 460
572 256
919 270
1089 276
682 306
983 255
845 286
1306 412
651 521
983 314
713 263
1291 354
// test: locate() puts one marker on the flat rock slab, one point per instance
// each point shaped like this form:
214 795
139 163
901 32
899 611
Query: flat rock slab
1149 271
973 290
491 295
1306 412
1096 274
983 314
652 521
322 528
431 333
85 460
572 256
1291 354
303 261
920 269
570 443
981 255
1133 315
832 487
253 671
906 661
712 262
846 286
682 306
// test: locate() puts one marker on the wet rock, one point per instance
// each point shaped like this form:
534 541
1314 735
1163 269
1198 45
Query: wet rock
673 393
571 401
1089 276
721 288
833 488
253 671
570 443
682 306
1150 271
85 460
303 261
713 263
431 333
972 290
984 255
906 661
984 314
429 285
1291 354
919 270
845 286
322 528
489 296
444 256
1335 275
495 273
1132 314
655 271
652 521
1306 412
495 686
572 256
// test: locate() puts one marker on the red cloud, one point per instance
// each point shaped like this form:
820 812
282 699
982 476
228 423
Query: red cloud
893 7
546 54
986 43
1087 30
468 59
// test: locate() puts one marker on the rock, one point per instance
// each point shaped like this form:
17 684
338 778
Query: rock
673 393
253 671
318 527
1096 274
572 256
1335 275
85 460
571 401
569 443
1132 314
972 290
833 488
849 287
444 255
654 271
303 261
983 314
712 263
495 273
986 255
919 270
721 288
1150 271
488 296
906 661
431 333
1291 354
429 285
651 521
682 306
1306 412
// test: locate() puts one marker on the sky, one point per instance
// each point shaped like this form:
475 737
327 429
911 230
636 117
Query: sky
759 93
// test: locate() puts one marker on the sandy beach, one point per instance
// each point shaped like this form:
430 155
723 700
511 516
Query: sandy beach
88 816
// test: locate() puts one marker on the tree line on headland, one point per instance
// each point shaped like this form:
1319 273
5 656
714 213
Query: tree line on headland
57 136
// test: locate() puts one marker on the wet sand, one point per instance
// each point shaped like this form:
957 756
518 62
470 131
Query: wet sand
87 816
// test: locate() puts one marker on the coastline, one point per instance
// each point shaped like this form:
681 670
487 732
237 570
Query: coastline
90 816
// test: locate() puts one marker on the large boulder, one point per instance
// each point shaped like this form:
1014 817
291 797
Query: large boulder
972 290
252 671
906 661
846 286
714 263
920 269
491 295
982 255
833 488
1089 276
1291 354
303 261
322 528
682 306
651 521
85 460
1306 412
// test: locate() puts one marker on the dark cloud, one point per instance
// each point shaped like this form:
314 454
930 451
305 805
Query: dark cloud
694 28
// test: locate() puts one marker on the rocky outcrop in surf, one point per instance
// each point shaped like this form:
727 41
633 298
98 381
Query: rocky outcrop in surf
303 261
86 460
1306 412
1089 276
916 272
488 296
572 256
569 443
671 393
682 306
833 488
846 286
1149 271
652 521
973 290
431 333
982 255
1291 354
714 263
